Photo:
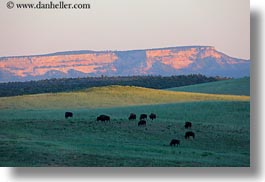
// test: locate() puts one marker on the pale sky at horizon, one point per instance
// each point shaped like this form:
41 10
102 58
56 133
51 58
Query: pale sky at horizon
127 25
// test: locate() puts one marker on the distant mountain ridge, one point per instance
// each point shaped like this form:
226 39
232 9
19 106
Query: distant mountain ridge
204 60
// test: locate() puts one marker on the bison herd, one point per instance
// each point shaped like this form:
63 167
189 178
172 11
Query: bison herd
142 122
188 134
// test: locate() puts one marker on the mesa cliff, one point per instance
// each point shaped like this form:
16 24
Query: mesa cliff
204 60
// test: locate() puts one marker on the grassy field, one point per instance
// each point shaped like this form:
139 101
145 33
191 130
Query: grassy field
239 86
45 138
110 96
34 132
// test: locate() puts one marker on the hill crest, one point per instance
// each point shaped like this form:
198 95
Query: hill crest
110 96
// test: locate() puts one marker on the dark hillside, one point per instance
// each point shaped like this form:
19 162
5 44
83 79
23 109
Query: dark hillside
72 84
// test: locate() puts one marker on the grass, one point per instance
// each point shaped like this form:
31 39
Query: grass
34 132
43 137
239 86
110 96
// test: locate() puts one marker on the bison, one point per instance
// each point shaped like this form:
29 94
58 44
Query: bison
142 123
152 116
132 116
188 124
103 118
68 115
143 116
189 134
174 142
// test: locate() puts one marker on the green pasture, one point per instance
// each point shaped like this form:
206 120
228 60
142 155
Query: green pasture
43 137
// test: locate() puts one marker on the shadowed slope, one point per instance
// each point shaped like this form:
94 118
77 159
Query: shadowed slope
239 86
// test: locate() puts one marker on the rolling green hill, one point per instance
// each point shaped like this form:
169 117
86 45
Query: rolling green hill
239 86
110 96
34 131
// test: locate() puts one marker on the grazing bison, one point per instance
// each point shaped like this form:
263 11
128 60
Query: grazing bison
103 118
189 134
132 116
188 124
142 123
174 142
143 116
68 115
152 116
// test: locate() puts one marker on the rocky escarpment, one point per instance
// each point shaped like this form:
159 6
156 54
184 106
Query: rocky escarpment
165 61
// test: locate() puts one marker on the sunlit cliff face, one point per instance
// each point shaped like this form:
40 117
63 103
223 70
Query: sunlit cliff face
210 52
39 65
111 62
176 60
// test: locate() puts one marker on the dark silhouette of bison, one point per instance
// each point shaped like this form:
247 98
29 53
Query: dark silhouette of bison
152 116
189 134
103 118
68 115
143 116
132 116
174 142
142 123
188 124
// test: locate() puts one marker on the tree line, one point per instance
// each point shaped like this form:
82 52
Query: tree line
72 84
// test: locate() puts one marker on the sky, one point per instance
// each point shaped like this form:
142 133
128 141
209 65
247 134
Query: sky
126 25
